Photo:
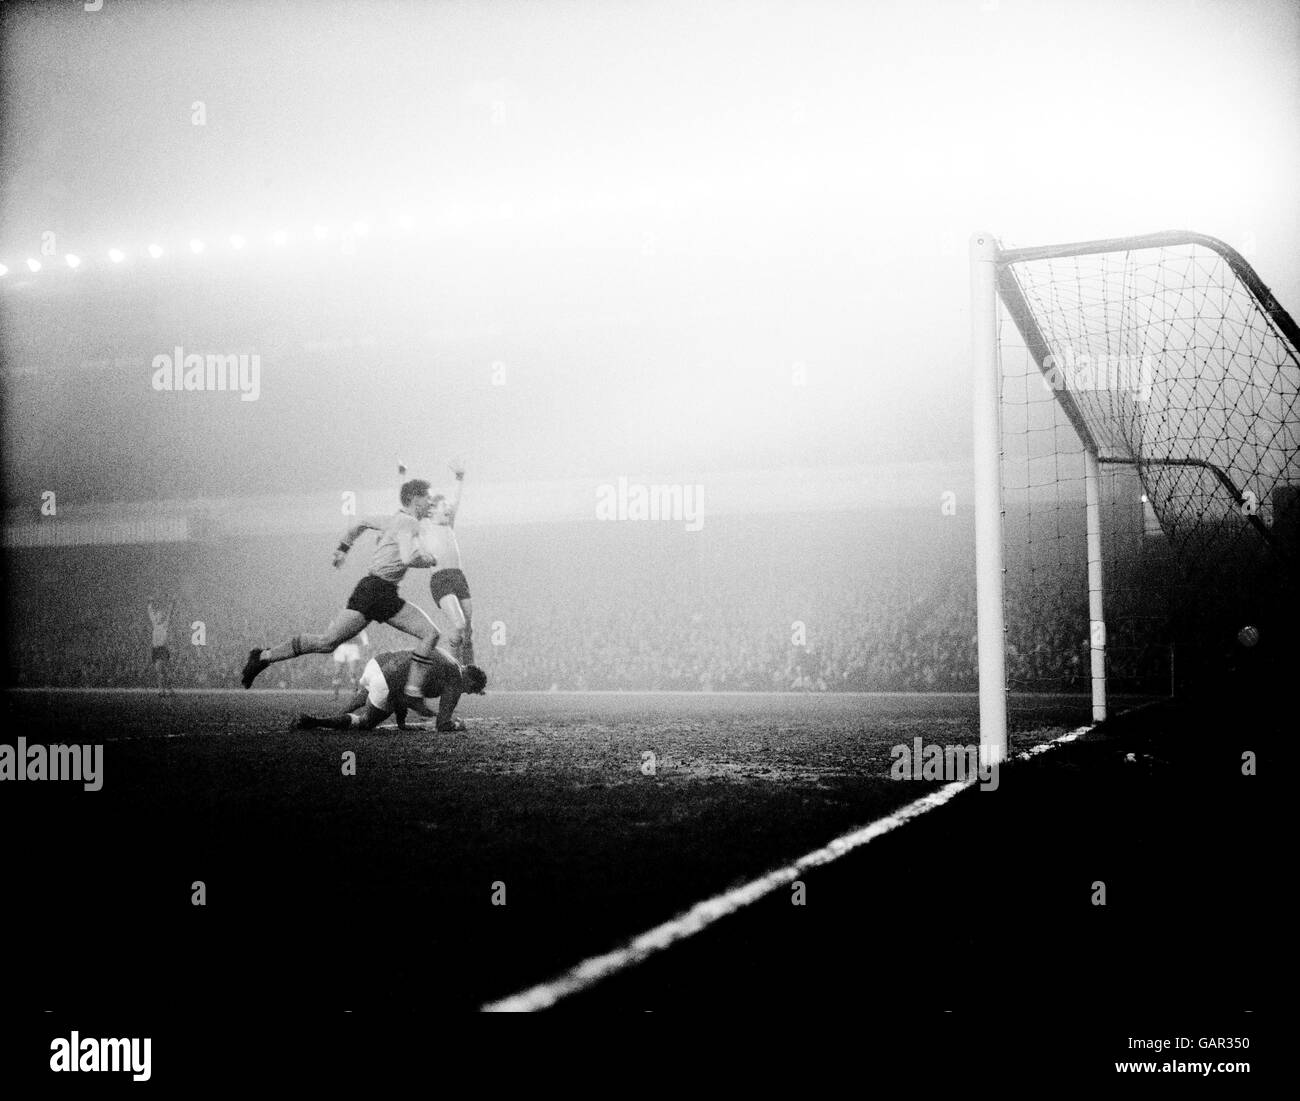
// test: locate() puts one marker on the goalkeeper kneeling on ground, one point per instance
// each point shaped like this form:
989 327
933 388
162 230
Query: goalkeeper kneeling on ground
379 693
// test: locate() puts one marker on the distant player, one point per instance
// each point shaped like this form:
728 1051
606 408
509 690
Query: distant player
375 599
447 584
347 663
160 657
380 693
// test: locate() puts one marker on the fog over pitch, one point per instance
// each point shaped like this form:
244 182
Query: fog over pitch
581 241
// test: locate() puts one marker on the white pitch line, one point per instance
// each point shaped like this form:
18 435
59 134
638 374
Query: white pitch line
259 691
251 694
703 914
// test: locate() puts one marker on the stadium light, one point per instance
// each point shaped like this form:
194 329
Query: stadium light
33 265
3 271
116 255
320 232
237 241
196 246
73 260
279 237
360 228
406 221
155 251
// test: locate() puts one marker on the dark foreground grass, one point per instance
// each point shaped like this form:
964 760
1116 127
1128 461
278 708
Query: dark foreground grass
377 889
990 906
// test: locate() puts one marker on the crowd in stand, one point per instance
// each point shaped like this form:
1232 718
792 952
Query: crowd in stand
735 621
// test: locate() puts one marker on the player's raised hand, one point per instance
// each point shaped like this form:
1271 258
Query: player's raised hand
339 556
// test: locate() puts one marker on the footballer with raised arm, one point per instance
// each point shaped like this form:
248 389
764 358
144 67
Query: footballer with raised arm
447 584
160 615
375 598
380 693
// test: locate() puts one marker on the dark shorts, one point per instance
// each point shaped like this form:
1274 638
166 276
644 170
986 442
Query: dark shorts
375 599
160 653
443 582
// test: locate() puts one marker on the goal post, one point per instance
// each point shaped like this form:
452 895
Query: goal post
1158 367
990 629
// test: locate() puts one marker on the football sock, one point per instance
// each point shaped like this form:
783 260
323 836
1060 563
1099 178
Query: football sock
291 648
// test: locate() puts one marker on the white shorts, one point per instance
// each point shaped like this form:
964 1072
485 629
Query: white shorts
372 680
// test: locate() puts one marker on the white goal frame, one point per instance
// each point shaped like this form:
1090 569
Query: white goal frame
992 280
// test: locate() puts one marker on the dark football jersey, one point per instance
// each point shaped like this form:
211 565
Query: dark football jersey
396 667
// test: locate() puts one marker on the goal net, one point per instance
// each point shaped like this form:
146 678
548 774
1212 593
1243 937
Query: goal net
1137 418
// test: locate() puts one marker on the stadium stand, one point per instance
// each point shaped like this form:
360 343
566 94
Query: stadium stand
880 602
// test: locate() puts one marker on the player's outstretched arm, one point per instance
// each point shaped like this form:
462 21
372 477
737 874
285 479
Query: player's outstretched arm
366 523
447 722
454 506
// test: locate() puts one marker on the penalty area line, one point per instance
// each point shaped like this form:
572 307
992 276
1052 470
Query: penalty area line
703 914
